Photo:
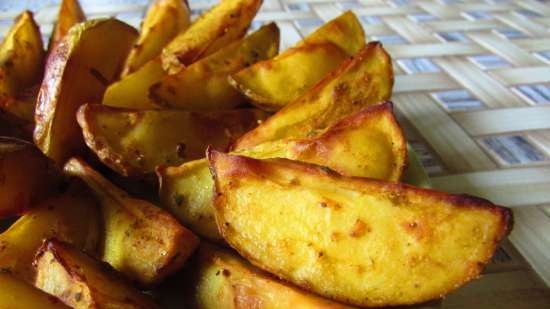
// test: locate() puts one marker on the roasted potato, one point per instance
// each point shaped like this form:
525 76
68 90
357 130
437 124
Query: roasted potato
164 20
361 81
224 280
141 240
271 84
72 217
70 14
26 175
78 70
21 59
204 85
82 282
134 142
367 144
355 240
224 23
18 294
13 126
132 91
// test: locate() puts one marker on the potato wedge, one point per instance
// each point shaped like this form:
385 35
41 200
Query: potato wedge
204 85
367 144
356 240
78 71
72 217
361 81
224 280
12 126
21 57
134 142
132 91
141 240
82 282
27 176
164 20
224 23
70 14
18 294
273 83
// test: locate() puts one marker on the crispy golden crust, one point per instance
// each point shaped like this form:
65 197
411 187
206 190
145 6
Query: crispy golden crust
356 240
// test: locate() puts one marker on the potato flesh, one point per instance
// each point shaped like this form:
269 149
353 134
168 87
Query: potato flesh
70 14
224 23
164 20
204 86
364 80
71 217
82 282
27 176
224 280
367 144
78 71
21 58
132 91
360 241
273 83
135 142
141 240
18 294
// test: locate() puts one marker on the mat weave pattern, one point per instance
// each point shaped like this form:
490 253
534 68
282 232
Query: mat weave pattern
472 90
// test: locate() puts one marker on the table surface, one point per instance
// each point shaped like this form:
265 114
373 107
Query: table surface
472 90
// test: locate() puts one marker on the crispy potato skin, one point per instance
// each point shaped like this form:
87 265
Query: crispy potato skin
27 176
78 71
204 85
142 241
18 294
222 279
367 144
271 84
21 64
72 217
363 80
164 20
70 14
224 23
82 282
134 142
356 240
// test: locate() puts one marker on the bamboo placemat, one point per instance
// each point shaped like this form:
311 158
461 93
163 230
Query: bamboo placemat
473 93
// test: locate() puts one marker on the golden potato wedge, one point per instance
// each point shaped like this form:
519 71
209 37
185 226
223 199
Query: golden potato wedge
164 20
27 176
18 294
82 282
345 31
78 71
21 57
367 144
12 126
363 80
355 240
142 241
21 106
272 84
224 23
70 14
204 85
72 217
134 142
224 280
132 91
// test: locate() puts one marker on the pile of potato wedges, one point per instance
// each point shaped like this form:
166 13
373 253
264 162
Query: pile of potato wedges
191 164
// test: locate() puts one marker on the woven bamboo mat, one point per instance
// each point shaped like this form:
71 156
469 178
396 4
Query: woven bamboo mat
473 93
